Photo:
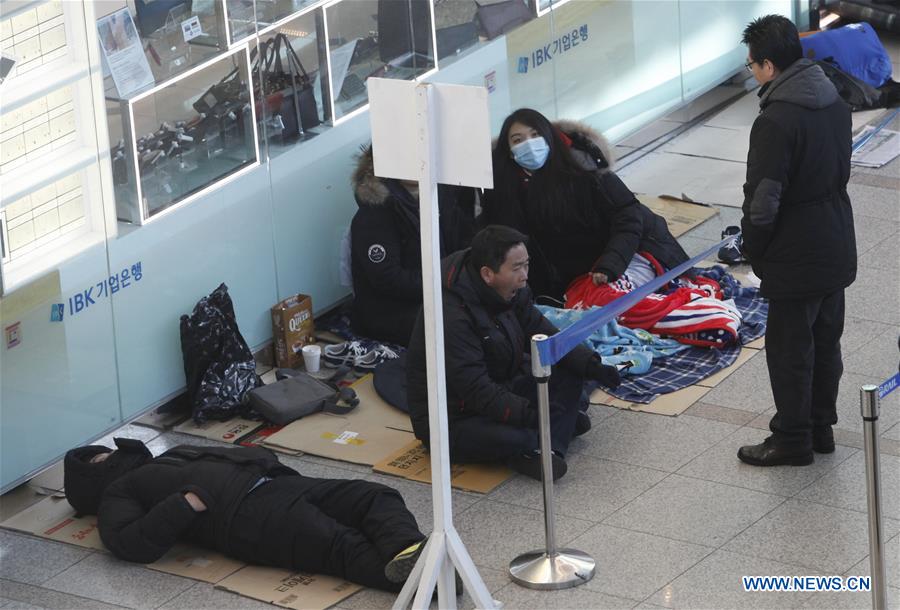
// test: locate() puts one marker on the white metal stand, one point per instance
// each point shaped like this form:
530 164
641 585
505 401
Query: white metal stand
445 549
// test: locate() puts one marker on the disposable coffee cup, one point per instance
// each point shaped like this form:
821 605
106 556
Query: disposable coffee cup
311 354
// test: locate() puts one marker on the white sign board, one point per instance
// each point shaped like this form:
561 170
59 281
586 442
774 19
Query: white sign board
461 136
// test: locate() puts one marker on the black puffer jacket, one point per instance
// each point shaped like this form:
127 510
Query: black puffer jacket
385 249
487 343
798 223
597 224
144 513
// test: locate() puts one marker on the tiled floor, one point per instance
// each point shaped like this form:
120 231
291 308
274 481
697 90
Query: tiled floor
664 506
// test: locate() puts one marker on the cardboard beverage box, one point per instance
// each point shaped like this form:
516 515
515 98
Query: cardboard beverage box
292 328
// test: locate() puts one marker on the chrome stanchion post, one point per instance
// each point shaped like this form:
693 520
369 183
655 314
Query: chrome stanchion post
868 406
551 568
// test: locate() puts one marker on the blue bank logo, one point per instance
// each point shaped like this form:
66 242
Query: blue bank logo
523 65
56 312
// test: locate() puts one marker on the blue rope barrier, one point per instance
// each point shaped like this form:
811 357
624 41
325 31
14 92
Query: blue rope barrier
556 347
862 141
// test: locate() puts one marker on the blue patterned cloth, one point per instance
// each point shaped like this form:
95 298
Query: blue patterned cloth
687 366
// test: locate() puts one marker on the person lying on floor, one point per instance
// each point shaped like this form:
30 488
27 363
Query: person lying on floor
241 501
489 319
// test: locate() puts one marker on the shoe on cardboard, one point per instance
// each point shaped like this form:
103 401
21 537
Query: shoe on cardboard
823 439
769 453
529 464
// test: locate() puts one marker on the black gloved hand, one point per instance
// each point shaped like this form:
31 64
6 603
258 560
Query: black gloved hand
608 376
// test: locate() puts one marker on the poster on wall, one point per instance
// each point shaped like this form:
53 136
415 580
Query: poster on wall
124 53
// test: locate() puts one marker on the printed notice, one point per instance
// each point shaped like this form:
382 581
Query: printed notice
124 53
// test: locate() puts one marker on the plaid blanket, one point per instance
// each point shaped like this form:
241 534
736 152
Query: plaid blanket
697 363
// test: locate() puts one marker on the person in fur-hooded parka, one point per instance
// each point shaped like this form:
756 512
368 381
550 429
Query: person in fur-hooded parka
385 246
554 182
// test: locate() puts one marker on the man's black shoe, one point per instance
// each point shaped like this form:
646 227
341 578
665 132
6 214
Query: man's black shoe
768 453
823 439
529 464
582 423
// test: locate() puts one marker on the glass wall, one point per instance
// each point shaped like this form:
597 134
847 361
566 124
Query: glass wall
92 299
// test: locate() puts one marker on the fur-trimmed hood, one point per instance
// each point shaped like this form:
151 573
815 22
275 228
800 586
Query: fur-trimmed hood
583 137
367 187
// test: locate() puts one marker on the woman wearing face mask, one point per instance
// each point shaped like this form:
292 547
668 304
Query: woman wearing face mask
553 182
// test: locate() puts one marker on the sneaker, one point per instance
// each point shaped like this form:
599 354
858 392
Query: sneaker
397 569
343 354
375 355
732 252
529 464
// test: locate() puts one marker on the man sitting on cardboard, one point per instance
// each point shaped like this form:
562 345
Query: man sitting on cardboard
242 502
489 318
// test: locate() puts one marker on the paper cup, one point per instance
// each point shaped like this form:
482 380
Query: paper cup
311 355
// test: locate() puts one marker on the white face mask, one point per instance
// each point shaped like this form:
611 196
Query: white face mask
532 153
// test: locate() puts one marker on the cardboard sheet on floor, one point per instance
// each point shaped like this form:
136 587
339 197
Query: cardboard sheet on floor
162 421
681 216
54 519
703 141
199 564
710 181
670 404
50 481
288 589
230 431
757 343
364 436
413 462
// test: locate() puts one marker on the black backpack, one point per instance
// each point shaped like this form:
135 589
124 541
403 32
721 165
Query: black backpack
858 94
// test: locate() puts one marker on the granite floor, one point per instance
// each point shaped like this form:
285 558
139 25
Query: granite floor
671 516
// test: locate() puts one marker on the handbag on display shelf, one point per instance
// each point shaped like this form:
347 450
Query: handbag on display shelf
286 92
496 18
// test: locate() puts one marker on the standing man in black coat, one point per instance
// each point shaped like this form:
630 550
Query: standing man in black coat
489 318
385 248
798 234
242 502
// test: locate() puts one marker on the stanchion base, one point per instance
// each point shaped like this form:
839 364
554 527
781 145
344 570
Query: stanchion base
537 570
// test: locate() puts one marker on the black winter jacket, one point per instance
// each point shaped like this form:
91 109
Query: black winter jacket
385 247
487 344
597 225
798 222
144 513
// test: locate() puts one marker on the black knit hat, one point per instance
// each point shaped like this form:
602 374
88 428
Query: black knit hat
85 482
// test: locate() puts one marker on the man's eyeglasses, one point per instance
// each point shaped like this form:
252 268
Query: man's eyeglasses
749 65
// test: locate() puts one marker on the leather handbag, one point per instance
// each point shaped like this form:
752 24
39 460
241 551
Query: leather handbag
499 18
287 90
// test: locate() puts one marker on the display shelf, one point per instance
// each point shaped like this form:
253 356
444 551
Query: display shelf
184 137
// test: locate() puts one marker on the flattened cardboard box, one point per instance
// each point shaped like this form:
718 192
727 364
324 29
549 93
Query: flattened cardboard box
199 564
364 436
414 463
292 328
230 431
297 590
54 519
680 215
671 404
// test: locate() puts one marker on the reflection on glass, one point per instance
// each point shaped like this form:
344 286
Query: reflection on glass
455 27
381 38
244 19
186 136
285 66
171 39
